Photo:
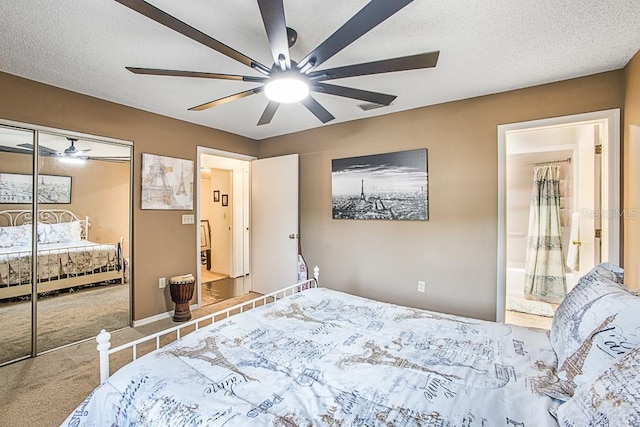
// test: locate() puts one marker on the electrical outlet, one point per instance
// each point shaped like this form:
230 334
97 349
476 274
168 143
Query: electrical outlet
162 282
421 286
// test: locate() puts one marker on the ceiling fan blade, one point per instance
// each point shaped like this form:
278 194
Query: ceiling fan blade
318 110
198 74
348 92
6 149
404 63
272 12
366 19
226 99
175 24
268 113
110 159
45 151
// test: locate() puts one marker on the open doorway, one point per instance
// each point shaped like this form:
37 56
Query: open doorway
223 210
575 159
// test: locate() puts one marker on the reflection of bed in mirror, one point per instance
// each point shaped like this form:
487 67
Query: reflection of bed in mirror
66 258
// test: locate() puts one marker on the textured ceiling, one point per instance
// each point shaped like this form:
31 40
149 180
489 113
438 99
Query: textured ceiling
485 47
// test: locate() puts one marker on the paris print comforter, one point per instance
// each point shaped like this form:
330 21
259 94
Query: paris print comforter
326 358
57 260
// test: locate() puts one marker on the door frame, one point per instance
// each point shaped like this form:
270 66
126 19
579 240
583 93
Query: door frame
611 158
230 155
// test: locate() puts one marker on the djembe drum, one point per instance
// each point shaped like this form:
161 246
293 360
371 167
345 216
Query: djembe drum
182 288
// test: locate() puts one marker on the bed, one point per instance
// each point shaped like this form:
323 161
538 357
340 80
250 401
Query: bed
319 357
66 258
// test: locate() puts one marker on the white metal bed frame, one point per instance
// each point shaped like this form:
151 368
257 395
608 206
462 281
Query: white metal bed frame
15 217
103 338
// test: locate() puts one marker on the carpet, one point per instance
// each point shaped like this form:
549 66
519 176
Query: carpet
63 319
521 305
45 390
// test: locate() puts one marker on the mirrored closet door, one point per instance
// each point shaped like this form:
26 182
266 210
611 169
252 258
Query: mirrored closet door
78 188
16 242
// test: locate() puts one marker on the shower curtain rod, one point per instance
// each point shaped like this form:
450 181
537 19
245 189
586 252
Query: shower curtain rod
551 162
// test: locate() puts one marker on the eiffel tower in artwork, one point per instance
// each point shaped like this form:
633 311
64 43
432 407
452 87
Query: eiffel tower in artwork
182 189
154 193
574 363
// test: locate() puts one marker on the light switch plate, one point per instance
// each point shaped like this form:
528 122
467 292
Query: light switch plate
188 219
421 286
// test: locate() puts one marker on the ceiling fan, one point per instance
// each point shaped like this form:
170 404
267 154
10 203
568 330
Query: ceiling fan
71 154
70 151
286 80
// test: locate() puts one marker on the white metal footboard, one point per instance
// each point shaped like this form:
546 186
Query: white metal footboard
103 338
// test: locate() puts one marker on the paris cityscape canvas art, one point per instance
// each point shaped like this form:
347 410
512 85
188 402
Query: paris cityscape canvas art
390 186
17 188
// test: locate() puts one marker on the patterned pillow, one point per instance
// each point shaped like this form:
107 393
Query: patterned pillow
612 398
65 232
610 271
595 325
18 236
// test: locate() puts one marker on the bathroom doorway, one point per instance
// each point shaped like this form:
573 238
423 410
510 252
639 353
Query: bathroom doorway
580 156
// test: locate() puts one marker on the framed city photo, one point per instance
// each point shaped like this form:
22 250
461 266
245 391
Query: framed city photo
391 186
17 188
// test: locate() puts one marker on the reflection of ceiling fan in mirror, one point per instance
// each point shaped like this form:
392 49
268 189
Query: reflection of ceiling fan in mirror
72 153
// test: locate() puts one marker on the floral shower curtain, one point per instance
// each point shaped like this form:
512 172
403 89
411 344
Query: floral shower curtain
544 266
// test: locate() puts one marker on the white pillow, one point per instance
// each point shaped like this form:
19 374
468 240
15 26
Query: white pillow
595 325
65 232
74 231
17 236
611 398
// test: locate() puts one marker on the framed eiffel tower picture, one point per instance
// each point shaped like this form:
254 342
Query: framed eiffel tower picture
389 186
167 183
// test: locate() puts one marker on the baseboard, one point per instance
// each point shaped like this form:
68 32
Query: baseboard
157 317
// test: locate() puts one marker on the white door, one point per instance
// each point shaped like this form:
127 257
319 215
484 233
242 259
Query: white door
274 223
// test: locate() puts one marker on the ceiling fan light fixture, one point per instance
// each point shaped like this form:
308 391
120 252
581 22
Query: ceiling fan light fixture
71 160
286 89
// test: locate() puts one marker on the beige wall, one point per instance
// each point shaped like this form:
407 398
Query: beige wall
219 216
221 222
98 189
162 246
631 168
455 251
